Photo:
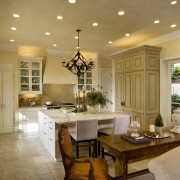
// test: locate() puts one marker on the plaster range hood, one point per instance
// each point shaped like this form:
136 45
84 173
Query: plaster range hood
54 73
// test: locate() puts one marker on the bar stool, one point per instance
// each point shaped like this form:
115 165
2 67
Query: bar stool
86 131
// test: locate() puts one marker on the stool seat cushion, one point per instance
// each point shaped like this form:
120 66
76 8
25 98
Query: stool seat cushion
81 170
107 131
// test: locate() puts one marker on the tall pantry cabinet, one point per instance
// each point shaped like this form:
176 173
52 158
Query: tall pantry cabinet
6 98
137 83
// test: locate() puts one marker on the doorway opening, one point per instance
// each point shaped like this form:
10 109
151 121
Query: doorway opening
175 86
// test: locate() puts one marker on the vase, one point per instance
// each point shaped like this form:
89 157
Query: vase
159 130
94 109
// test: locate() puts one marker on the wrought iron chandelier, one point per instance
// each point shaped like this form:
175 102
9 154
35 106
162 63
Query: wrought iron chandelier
78 65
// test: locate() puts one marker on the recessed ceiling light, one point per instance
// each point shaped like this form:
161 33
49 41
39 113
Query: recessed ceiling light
95 24
16 15
173 2
173 25
47 33
121 13
76 37
59 17
110 42
156 21
13 28
12 40
72 1
127 34
54 45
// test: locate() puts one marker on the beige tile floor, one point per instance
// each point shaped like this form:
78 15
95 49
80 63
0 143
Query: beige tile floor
23 157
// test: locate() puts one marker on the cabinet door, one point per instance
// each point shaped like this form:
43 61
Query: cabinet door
128 64
152 92
8 99
119 66
119 78
128 91
138 91
138 62
1 101
30 75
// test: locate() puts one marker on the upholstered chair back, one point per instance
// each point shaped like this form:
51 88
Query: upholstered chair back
65 146
120 125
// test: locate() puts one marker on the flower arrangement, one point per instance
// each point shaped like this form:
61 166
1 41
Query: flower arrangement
96 97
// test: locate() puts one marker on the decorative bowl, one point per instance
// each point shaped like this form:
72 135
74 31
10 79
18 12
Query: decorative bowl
68 109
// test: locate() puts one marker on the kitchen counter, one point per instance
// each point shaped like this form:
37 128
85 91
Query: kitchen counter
50 120
58 116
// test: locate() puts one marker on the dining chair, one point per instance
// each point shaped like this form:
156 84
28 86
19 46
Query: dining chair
120 126
85 132
79 168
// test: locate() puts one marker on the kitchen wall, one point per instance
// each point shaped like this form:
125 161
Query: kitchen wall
57 93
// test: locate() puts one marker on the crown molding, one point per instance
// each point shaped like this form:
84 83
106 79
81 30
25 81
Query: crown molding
163 38
155 41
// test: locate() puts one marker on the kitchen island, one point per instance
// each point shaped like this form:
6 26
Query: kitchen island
50 120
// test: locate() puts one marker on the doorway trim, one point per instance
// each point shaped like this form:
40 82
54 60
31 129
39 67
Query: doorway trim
165 89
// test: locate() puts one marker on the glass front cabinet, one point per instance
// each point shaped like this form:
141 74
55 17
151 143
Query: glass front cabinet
85 81
30 75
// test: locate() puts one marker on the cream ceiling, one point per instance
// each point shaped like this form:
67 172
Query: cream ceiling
39 16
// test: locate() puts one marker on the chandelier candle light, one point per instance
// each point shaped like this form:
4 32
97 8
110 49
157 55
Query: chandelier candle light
78 65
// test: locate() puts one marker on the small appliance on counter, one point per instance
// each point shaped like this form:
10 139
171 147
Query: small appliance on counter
176 120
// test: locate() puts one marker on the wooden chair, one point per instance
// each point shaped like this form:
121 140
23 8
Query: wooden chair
80 168
120 126
85 132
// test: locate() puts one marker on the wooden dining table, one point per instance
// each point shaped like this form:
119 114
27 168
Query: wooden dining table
127 152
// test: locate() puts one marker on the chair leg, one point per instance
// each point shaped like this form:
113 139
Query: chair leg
77 151
89 150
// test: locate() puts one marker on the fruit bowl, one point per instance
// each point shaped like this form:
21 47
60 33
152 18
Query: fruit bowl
68 109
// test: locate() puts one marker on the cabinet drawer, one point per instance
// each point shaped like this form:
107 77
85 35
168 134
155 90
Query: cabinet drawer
51 124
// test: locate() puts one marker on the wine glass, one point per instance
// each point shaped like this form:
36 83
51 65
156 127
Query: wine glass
135 126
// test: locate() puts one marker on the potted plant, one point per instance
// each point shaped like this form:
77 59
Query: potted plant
96 98
159 123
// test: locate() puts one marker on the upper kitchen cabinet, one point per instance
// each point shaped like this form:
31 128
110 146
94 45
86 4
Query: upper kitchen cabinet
30 73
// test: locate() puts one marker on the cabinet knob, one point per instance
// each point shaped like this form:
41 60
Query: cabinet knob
123 103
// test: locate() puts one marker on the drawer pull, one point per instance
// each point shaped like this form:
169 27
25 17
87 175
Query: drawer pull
50 122
50 127
50 139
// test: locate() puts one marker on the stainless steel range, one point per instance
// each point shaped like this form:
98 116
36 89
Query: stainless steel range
59 106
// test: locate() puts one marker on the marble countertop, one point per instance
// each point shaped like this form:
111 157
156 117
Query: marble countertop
60 117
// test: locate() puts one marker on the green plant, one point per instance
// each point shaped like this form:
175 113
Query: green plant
175 71
96 97
159 121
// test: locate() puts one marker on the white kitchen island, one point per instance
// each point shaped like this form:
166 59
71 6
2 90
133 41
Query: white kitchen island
50 120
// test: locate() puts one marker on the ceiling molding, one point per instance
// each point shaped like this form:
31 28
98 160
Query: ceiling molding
155 41
162 39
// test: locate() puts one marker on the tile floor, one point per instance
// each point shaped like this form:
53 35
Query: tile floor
23 157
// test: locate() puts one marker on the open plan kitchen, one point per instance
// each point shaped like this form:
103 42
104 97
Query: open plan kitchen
89 89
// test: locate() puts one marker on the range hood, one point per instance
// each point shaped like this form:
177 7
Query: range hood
54 73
